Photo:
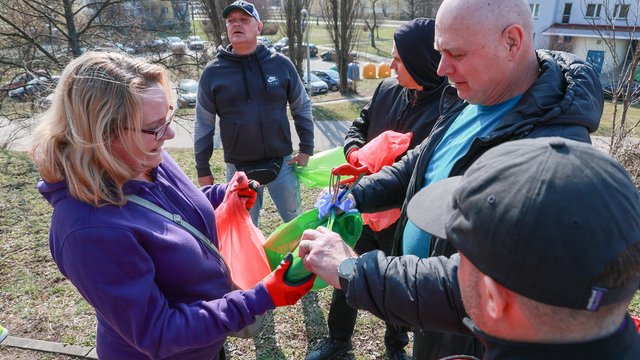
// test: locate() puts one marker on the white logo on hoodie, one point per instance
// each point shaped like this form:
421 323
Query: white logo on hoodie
272 80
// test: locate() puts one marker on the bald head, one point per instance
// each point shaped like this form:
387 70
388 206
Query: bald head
491 15
487 48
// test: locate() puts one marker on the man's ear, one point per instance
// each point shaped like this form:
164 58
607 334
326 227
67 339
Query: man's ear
512 37
495 298
260 25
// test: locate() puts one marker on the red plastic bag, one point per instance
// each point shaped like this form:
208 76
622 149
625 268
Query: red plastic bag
380 152
384 149
239 241
637 322
381 220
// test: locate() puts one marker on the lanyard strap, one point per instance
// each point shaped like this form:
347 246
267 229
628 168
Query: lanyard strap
176 219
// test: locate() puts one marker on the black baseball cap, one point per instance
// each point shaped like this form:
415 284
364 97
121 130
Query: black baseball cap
245 6
542 217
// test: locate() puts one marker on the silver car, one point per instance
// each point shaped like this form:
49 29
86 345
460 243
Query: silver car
317 86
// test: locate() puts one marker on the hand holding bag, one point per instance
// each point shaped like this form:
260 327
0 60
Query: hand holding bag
249 330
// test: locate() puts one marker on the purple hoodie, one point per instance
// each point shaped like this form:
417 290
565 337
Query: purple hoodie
157 292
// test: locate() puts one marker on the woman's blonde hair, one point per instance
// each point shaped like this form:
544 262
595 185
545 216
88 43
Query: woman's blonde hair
98 97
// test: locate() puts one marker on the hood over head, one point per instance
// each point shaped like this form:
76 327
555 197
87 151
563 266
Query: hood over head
414 43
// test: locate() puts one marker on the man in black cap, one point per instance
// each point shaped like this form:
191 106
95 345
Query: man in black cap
409 102
248 87
548 233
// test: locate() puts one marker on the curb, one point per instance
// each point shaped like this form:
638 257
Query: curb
85 352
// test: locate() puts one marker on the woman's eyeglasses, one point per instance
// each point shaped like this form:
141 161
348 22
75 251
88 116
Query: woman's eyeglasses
159 132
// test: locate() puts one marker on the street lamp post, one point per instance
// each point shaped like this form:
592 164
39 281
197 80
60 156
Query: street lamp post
305 24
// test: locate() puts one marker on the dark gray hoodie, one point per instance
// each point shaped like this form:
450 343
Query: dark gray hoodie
249 93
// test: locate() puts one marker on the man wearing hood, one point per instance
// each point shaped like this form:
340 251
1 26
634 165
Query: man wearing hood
410 102
512 91
248 88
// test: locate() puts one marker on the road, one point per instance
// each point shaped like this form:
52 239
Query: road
328 134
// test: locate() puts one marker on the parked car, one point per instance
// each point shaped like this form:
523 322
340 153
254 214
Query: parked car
317 86
330 55
313 50
609 89
187 91
158 45
121 47
23 78
332 83
325 75
34 88
194 42
176 45
278 45
265 41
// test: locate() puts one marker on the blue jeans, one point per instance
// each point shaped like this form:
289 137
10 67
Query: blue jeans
284 191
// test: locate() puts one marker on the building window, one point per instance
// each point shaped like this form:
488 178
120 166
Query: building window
566 13
593 10
621 11
535 10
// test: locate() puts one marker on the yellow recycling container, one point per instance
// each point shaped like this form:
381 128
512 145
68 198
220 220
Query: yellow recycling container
384 71
369 71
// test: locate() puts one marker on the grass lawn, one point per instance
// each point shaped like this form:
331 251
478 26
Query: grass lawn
606 122
39 303
320 37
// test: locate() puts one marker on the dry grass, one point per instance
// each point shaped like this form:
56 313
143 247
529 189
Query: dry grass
39 303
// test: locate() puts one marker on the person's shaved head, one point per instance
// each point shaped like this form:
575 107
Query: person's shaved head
487 48
489 14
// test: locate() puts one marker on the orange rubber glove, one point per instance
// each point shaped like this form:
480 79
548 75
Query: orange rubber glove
352 157
282 291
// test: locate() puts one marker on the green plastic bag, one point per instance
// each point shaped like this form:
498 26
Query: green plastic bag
286 238
318 171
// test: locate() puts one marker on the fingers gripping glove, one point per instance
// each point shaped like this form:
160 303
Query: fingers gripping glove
282 291
249 192
352 157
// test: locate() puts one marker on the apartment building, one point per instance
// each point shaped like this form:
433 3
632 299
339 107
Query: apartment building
596 30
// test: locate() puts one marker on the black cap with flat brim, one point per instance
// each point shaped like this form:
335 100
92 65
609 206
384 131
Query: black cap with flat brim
543 217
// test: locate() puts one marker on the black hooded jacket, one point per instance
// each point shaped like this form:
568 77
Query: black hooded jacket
566 101
394 107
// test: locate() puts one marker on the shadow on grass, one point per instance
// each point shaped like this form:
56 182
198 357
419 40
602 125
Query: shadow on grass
265 342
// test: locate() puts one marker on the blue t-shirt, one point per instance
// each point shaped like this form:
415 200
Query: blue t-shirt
474 121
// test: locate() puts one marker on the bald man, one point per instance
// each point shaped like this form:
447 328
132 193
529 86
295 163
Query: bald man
513 92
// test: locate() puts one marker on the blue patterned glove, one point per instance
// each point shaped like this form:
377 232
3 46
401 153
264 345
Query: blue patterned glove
324 205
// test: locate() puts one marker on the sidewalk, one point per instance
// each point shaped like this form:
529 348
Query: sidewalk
84 352
327 133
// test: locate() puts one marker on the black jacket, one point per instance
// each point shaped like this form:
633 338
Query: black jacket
565 101
394 107
397 108
424 293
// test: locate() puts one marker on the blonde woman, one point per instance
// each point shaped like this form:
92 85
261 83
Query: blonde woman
158 291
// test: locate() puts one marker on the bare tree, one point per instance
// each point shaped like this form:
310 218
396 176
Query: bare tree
292 27
421 8
340 17
214 27
39 37
373 25
616 26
